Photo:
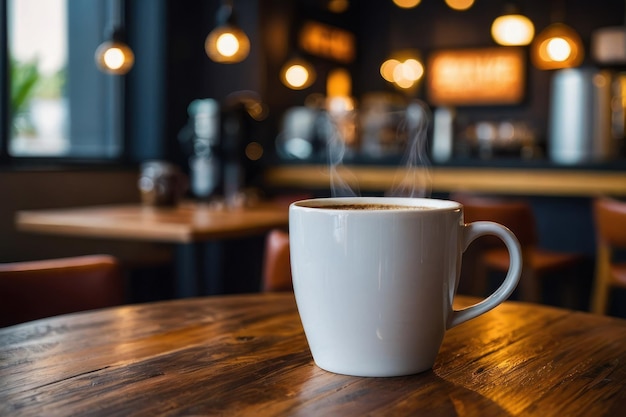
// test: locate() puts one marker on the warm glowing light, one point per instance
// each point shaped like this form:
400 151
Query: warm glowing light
412 69
114 57
297 74
403 74
227 44
512 29
254 151
400 80
406 4
485 76
460 4
338 6
387 68
327 41
339 83
556 47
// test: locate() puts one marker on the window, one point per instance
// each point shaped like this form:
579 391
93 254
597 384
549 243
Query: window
59 104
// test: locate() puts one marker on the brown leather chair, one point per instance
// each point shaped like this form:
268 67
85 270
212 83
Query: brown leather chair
610 224
518 216
276 274
276 265
32 290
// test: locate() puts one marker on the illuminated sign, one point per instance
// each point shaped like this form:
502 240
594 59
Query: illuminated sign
327 42
476 76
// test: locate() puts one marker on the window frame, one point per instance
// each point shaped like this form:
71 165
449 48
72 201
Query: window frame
114 125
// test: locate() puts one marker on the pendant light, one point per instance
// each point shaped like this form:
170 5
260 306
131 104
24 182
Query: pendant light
512 28
558 46
406 4
114 56
297 73
227 43
460 5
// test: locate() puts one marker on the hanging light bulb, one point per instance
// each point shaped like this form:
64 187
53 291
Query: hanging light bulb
407 4
557 46
512 28
460 5
114 56
227 43
404 71
297 74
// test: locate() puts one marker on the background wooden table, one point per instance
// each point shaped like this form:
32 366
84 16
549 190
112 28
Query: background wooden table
193 227
247 355
186 223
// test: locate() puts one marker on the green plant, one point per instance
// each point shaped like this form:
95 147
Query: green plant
24 79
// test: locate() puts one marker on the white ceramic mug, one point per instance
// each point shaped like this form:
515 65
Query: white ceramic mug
374 288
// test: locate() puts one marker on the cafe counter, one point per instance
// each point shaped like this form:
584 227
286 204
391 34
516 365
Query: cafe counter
445 179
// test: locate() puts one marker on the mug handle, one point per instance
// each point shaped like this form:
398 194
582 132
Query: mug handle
482 228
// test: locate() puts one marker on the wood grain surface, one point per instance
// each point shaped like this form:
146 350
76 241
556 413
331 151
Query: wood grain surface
187 222
246 355
551 182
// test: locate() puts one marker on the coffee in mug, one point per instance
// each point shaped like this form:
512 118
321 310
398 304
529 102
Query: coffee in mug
369 206
375 278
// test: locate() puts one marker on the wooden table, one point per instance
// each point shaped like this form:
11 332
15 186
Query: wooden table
190 225
246 355
186 223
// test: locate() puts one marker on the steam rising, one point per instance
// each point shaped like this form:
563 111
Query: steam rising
412 178
342 182
415 180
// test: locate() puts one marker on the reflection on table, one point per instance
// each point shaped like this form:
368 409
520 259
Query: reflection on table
247 355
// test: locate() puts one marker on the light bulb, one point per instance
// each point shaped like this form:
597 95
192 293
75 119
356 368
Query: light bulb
412 69
512 29
297 74
460 5
114 57
387 69
557 46
406 4
227 44
558 49
404 74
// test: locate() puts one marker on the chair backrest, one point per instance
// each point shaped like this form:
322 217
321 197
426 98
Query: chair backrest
32 290
517 215
610 221
276 263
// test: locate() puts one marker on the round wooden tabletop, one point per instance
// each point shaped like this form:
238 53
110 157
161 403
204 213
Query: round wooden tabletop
247 355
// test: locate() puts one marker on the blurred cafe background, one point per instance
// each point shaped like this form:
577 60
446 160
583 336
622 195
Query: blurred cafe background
245 97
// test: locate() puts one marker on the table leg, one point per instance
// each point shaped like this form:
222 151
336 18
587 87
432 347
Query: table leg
186 284
198 269
211 268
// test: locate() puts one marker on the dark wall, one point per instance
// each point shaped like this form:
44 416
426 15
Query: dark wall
172 70
433 25
186 73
